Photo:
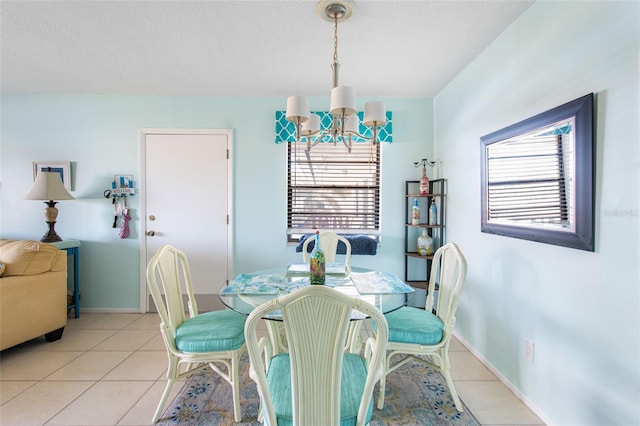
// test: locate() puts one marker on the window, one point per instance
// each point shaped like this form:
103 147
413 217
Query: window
329 188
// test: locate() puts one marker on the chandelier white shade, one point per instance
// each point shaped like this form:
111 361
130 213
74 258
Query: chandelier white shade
375 114
297 109
343 101
345 123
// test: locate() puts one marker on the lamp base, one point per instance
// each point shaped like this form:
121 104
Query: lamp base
51 236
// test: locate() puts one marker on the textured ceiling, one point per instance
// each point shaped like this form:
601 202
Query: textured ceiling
241 48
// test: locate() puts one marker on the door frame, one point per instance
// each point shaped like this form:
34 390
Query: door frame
142 134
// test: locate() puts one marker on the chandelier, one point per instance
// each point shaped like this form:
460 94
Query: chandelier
345 122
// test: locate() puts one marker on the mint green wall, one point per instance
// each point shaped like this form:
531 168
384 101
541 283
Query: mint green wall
581 309
99 134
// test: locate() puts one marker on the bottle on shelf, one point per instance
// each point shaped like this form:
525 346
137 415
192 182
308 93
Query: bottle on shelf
317 268
425 244
415 213
424 181
433 213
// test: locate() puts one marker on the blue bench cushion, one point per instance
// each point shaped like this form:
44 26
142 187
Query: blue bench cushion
414 325
211 331
360 244
354 377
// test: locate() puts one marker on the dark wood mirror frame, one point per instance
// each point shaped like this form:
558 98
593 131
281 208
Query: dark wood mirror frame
581 236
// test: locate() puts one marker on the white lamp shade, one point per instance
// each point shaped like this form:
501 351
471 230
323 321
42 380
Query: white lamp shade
352 124
48 186
343 101
375 114
311 126
297 109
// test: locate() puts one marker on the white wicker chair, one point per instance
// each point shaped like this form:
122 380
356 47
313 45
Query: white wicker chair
199 340
415 331
316 382
329 243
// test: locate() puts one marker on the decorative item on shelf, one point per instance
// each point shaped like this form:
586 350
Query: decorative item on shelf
415 213
345 123
433 212
49 187
425 244
317 267
424 180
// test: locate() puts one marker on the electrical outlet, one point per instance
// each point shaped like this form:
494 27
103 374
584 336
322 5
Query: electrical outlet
527 351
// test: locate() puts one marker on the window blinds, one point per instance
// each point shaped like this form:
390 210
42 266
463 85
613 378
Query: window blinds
331 189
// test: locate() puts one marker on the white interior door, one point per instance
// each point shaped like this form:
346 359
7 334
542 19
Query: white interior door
186 187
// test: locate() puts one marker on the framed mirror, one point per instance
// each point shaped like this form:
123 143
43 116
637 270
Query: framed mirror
538 177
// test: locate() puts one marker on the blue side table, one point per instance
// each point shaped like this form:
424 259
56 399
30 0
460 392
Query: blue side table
71 247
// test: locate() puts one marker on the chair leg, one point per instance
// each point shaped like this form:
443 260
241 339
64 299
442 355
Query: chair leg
383 381
235 386
452 390
172 373
163 400
444 369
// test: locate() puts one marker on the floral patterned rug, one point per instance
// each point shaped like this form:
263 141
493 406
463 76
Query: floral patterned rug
416 395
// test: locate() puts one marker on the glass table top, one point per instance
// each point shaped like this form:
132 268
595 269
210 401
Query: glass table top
385 291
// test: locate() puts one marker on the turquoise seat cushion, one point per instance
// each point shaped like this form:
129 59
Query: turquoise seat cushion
414 325
354 377
211 331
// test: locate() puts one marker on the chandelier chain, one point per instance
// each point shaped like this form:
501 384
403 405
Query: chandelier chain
345 122
335 38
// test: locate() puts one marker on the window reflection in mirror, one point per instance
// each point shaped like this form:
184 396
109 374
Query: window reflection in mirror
530 178
537 177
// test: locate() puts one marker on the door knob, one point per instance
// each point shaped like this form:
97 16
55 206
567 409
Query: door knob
151 233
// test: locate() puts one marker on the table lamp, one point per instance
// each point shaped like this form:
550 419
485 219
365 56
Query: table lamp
48 187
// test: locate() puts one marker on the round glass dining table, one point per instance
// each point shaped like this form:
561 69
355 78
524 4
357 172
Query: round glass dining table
247 291
383 290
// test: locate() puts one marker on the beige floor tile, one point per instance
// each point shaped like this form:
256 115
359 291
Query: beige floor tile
90 408
126 340
142 412
86 320
156 343
79 340
114 321
456 346
9 389
145 322
90 366
35 365
48 397
464 366
140 365
493 403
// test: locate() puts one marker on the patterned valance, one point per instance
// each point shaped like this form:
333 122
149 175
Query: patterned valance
286 130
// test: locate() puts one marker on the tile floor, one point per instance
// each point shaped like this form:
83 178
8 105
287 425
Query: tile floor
109 369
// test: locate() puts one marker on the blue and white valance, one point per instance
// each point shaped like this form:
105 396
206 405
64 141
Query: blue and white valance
286 130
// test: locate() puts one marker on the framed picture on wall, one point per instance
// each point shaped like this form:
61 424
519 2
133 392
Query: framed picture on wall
61 167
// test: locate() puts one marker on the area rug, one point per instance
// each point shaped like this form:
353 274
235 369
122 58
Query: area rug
415 395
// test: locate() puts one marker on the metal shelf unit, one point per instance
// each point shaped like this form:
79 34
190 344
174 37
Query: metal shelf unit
416 266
